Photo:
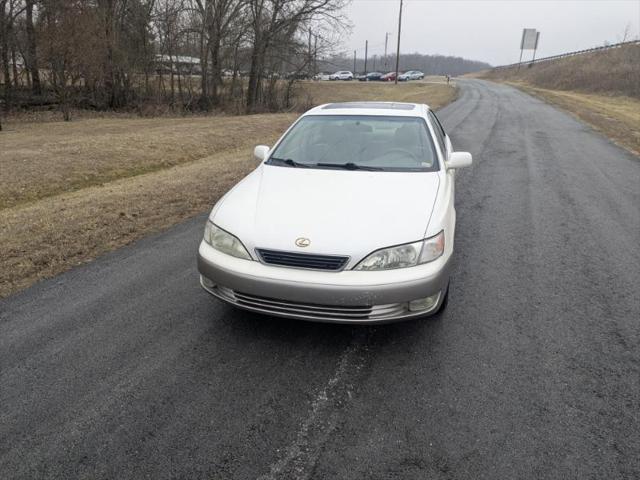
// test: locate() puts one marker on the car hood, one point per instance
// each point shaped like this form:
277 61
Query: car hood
341 212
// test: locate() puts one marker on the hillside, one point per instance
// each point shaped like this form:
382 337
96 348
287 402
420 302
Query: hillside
611 72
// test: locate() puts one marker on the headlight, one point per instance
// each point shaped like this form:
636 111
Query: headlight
407 255
224 241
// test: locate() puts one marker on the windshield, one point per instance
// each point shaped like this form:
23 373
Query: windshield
358 142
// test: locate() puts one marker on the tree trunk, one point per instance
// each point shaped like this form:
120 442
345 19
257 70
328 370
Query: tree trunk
180 94
14 67
32 53
4 55
204 68
215 68
255 74
171 80
107 7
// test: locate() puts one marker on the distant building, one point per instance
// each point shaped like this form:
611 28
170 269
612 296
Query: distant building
178 64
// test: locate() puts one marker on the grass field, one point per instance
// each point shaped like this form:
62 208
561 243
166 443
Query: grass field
318 93
45 159
72 191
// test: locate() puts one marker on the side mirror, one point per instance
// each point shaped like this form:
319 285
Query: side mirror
459 160
260 152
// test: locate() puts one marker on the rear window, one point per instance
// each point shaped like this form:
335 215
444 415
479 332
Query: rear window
388 143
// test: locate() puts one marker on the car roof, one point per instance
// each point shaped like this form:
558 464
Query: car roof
396 109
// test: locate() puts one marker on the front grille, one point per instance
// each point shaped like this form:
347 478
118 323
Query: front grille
302 260
310 310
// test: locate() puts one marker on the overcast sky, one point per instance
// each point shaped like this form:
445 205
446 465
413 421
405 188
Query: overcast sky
489 30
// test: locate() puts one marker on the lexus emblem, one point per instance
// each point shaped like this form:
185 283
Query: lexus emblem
303 242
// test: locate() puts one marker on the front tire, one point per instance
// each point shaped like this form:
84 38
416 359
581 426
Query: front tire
445 301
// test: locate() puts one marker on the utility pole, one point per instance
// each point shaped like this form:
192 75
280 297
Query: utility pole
386 40
366 52
398 49
354 62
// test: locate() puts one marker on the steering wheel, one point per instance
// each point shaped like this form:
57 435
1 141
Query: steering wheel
402 151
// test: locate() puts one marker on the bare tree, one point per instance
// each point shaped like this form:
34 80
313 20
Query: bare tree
274 23
105 53
219 20
9 11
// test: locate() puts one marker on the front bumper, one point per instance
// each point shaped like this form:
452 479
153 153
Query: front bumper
341 297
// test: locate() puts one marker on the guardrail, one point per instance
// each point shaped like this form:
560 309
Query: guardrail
570 54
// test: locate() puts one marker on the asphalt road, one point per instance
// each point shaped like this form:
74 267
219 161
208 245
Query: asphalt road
125 368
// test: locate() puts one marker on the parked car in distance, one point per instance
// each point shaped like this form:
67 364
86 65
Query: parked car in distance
322 76
411 75
349 218
370 77
341 75
297 76
388 77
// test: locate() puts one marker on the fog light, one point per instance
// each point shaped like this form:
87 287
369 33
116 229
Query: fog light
426 303
206 282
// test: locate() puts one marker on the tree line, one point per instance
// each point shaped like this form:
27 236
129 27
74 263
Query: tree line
114 54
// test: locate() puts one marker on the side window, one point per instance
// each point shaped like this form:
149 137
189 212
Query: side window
437 128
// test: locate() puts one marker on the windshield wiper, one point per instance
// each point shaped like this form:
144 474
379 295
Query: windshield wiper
291 162
349 166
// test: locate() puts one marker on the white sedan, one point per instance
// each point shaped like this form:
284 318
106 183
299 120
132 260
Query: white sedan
342 75
411 75
349 218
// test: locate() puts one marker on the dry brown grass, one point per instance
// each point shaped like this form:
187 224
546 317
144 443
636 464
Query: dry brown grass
46 237
42 159
73 191
432 91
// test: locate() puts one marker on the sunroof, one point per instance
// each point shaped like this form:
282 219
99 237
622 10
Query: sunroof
372 105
